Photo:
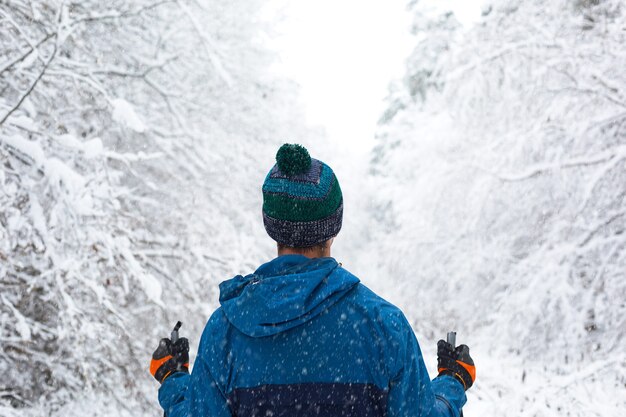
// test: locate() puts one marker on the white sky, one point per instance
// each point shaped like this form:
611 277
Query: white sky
344 53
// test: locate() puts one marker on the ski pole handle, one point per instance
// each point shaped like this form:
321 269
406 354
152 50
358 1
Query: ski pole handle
452 339
174 334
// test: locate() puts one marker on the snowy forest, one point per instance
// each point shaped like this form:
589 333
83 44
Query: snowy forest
135 136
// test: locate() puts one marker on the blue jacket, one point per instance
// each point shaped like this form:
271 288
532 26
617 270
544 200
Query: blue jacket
302 337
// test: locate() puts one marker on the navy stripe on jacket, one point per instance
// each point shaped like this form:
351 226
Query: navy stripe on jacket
308 400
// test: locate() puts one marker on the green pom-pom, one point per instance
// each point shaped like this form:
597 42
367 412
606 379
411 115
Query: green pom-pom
293 159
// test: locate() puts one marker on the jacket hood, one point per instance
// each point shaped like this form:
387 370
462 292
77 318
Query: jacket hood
283 293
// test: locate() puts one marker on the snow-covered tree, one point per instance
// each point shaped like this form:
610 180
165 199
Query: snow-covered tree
501 175
134 136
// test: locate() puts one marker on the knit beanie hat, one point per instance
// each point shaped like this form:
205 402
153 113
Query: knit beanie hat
302 200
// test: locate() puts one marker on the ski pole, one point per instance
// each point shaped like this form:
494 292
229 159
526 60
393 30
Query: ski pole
174 334
173 339
451 339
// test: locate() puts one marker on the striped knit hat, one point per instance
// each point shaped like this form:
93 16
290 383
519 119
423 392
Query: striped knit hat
302 200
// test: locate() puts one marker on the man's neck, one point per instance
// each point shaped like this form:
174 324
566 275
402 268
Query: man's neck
316 252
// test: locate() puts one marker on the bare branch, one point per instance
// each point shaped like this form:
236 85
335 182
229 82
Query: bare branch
23 57
30 89
618 152
209 48
596 228
32 45
119 15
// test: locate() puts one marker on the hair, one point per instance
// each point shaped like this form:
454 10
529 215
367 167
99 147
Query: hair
316 248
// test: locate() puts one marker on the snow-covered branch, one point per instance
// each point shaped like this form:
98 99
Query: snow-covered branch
612 155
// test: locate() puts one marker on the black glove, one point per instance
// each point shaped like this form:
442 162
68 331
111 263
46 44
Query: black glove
169 358
456 362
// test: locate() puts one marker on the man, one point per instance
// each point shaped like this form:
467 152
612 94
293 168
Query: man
301 336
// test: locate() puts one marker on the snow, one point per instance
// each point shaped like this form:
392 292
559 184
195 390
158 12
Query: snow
19 321
124 113
93 148
30 59
38 217
151 287
56 170
64 176
29 149
23 122
69 141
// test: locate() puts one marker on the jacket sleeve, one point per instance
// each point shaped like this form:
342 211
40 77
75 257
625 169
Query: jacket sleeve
411 392
198 394
183 395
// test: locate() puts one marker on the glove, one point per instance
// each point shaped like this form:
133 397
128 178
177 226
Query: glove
169 358
456 362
